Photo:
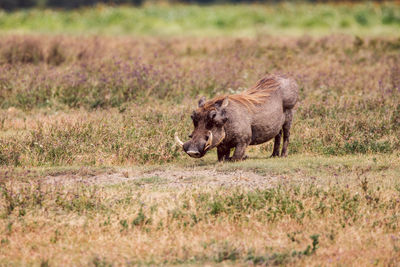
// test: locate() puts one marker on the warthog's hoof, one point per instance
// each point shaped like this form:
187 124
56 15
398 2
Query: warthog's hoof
232 159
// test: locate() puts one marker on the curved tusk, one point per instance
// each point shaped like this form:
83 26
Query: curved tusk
178 140
222 139
209 141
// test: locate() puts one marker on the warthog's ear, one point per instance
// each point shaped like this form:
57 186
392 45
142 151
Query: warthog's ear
225 103
219 115
212 114
202 100
222 103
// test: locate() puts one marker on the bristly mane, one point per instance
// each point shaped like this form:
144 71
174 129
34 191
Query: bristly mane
253 96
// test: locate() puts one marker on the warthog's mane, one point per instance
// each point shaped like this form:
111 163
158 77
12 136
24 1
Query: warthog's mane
253 96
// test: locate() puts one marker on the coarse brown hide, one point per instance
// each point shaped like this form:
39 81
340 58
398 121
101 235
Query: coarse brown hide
255 116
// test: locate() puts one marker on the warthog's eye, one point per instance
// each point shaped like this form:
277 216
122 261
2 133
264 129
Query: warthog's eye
190 136
194 119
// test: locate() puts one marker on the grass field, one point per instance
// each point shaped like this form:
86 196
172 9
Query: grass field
90 103
118 101
303 210
245 20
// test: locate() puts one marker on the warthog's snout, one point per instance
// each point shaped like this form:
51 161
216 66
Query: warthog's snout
196 148
191 150
193 154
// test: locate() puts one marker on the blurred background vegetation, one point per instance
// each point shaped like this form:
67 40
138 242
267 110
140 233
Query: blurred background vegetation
244 19
14 4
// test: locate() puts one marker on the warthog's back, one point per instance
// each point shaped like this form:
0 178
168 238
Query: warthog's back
271 88
289 91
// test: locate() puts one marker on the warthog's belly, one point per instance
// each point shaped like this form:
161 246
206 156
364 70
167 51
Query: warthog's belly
263 132
260 137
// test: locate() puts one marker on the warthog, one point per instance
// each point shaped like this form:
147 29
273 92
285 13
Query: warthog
253 117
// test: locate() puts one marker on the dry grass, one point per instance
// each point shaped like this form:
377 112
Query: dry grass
78 112
321 211
102 104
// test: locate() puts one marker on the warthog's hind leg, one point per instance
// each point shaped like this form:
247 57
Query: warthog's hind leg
277 144
286 131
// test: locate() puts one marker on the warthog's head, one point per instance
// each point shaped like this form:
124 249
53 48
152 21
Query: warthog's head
208 120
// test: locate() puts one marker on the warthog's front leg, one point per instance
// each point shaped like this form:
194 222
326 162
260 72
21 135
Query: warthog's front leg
223 153
239 153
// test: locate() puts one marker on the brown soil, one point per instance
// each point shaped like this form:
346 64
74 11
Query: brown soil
170 179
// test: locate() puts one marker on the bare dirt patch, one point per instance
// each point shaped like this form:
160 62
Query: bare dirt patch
170 179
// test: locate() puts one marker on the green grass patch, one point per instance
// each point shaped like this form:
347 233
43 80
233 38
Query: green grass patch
242 19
